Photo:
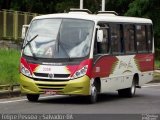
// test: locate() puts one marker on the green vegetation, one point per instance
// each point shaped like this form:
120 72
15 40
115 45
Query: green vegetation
138 8
9 66
157 63
156 77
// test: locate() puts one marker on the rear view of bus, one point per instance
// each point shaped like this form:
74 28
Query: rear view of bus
77 53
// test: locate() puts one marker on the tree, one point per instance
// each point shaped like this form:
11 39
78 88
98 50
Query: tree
92 5
148 9
65 5
5 4
139 8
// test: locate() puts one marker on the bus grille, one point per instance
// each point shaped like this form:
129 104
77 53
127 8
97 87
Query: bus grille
57 87
50 80
55 75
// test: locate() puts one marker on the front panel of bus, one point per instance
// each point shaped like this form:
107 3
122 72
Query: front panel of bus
55 57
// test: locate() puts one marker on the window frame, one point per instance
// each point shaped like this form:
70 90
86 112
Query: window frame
151 37
140 51
96 43
134 40
123 41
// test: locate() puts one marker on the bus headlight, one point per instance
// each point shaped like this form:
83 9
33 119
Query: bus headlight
81 72
25 71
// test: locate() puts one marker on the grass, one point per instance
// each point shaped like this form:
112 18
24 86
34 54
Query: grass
9 66
157 63
156 75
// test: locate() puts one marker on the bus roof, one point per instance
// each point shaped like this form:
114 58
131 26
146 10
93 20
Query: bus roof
96 17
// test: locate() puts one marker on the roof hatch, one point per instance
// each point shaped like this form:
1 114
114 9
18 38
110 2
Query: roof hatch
107 13
81 11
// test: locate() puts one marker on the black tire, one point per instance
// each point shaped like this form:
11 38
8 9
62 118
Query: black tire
92 98
32 97
128 92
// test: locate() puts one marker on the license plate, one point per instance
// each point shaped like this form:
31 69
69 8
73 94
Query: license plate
50 92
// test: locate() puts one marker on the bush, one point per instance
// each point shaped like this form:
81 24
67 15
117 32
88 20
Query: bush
9 66
157 54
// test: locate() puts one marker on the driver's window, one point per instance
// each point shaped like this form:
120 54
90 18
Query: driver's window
103 47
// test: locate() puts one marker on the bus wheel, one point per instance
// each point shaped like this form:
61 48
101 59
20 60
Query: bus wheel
128 92
93 97
32 97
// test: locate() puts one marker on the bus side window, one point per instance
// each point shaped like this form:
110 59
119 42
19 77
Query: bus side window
150 37
141 38
103 47
116 39
129 38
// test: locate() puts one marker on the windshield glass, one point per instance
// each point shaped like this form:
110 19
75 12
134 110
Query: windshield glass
59 38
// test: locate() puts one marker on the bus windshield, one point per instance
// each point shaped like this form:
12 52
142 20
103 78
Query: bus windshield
59 38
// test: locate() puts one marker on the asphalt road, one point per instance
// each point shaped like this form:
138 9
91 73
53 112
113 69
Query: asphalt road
146 101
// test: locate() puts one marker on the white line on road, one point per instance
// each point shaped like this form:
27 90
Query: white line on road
151 85
21 100
13 101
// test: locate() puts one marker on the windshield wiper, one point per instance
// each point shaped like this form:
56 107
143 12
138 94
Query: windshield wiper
59 43
29 44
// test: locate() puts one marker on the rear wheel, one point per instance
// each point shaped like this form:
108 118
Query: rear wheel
128 92
32 97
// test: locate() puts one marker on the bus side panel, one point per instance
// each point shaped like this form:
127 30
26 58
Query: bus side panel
104 66
145 77
116 72
145 62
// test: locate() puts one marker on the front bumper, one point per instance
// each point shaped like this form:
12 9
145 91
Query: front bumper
79 86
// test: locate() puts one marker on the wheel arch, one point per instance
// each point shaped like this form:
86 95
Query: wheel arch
97 83
136 79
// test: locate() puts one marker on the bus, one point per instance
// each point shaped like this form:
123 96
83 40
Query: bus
79 53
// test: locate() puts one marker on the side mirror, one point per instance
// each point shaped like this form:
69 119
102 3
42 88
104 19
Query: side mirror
100 36
24 29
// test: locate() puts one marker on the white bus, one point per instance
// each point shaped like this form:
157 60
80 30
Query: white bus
79 53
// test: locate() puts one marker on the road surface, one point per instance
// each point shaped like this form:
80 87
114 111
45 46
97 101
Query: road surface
146 100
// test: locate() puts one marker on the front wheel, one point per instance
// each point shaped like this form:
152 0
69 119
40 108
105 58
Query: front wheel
128 92
32 97
92 98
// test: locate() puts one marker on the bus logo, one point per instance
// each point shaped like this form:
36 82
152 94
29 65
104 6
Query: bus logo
50 75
